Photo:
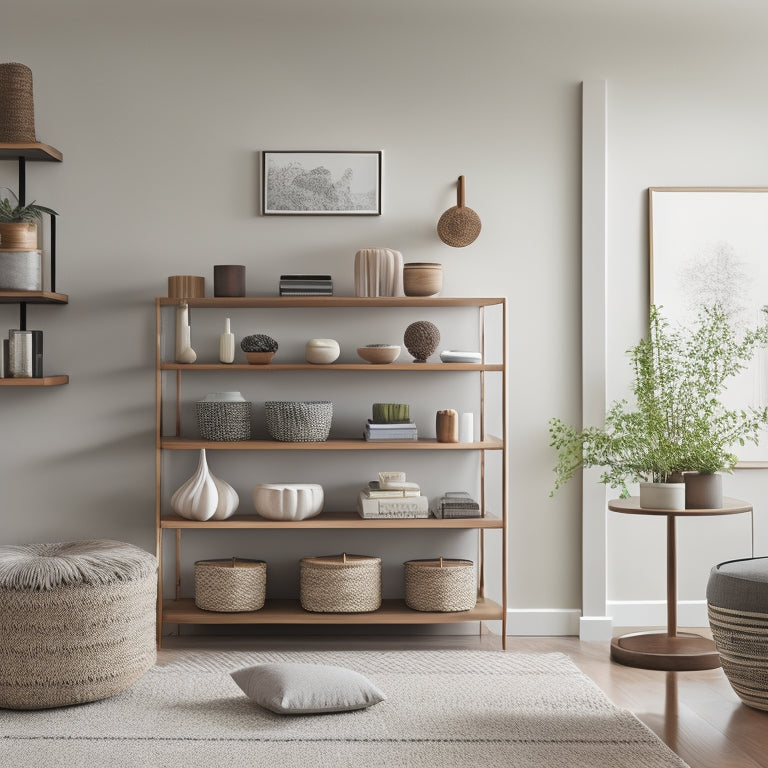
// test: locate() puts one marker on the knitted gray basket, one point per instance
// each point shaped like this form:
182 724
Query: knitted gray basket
224 421
299 421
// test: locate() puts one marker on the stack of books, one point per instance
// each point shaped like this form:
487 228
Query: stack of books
397 431
392 498
306 285
457 504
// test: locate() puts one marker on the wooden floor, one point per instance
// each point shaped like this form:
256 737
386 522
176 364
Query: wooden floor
695 713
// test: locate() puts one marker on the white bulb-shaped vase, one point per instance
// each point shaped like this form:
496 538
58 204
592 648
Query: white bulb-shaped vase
229 501
198 497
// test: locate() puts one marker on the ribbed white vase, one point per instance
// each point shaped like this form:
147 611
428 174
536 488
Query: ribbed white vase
378 272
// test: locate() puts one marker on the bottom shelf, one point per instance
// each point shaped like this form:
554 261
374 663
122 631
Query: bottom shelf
184 611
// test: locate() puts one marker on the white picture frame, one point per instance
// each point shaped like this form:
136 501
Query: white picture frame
321 183
707 245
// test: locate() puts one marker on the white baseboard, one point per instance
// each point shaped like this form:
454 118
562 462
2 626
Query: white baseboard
543 622
595 628
653 613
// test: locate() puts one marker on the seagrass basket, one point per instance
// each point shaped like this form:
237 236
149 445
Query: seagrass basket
230 585
17 107
224 421
340 584
440 585
292 421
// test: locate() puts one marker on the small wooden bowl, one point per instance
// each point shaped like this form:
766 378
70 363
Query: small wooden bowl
259 358
379 354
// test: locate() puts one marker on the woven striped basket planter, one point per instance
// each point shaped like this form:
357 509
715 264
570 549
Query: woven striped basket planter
231 585
77 621
737 598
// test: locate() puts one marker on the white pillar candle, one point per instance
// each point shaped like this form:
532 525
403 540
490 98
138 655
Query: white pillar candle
467 428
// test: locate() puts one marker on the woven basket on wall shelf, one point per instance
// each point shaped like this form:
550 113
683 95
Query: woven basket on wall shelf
17 106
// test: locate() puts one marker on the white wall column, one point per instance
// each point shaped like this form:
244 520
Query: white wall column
594 624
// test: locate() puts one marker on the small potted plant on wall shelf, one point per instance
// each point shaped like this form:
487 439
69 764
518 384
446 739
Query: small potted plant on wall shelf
680 433
18 223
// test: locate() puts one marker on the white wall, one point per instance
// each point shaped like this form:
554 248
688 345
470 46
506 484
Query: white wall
161 108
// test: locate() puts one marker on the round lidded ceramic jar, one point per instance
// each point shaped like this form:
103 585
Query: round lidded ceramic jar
322 351
422 278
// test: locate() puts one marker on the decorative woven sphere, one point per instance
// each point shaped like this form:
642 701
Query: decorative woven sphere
258 342
421 339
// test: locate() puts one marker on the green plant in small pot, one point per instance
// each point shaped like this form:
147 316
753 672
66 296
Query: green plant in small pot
18 223
679 425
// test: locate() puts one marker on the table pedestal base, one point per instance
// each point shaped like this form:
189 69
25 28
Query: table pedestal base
657 650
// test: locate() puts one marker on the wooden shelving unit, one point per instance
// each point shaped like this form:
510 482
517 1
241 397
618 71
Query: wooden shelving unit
181 610
21 153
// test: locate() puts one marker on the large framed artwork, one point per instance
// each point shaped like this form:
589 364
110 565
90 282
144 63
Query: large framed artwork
710 245
321 183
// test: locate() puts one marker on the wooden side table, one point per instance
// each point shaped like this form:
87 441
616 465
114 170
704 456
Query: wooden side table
670 650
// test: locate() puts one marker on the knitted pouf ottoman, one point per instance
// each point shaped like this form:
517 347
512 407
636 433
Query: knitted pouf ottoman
77 621
737 603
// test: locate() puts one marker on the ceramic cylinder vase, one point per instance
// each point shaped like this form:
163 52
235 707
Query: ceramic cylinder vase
229 280
21 271
378 272
447 426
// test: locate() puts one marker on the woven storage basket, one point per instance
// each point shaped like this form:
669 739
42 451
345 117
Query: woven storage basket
299 421
77 621
440 585
230 585
224 421
17 108
340 584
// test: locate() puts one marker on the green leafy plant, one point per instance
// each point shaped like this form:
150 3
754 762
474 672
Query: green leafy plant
680 422
14 212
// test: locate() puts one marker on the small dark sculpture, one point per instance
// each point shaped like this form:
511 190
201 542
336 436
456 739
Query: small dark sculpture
421 339
258 342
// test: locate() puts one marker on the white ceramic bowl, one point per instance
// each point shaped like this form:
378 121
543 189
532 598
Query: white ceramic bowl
288 501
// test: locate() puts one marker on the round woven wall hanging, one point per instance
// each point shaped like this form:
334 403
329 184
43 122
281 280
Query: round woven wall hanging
459 226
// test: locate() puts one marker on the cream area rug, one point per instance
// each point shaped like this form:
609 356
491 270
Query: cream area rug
444 709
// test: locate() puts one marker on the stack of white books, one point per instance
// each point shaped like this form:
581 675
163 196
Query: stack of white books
397 431
392 496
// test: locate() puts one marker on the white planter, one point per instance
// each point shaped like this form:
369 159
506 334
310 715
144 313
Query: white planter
288 501
662 495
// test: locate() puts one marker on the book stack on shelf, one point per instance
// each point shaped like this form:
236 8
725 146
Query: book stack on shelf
306 285
454 504
391 421
392 496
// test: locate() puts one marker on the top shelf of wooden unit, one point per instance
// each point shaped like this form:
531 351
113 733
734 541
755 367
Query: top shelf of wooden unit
273 302
34 150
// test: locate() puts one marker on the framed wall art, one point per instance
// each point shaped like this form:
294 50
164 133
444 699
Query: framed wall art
710 245
321 183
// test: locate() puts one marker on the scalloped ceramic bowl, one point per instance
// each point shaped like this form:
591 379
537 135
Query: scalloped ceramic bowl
379 354
288 501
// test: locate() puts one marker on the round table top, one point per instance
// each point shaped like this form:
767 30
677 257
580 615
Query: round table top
631 506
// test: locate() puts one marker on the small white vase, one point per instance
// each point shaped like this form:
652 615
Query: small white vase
662 495
184 351
198 497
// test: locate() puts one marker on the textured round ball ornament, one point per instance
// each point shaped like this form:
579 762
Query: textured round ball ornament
421 339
